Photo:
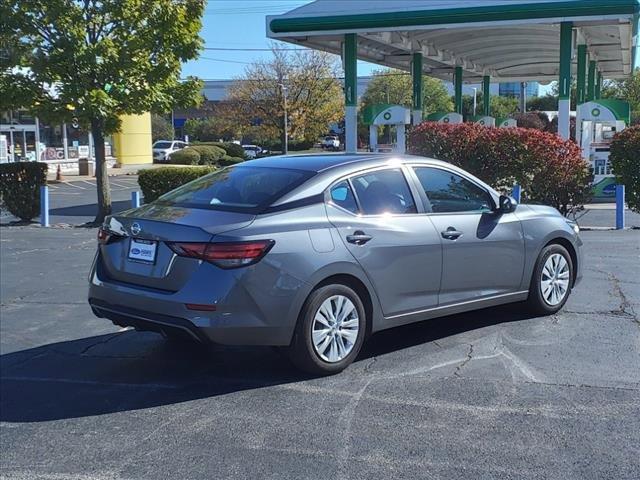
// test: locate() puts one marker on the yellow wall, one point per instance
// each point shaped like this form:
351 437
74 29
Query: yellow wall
133 142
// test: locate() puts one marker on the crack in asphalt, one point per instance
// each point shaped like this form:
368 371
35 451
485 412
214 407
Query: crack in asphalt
625 308
465 361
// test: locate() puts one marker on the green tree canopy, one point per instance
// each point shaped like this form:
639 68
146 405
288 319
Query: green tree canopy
161 128
314 96
96 60
395 87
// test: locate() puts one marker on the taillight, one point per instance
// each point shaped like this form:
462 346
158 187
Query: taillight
225 255
105 236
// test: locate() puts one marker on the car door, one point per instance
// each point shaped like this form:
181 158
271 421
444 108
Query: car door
482 250
376 216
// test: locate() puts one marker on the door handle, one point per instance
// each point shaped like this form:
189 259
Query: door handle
359 238
451 234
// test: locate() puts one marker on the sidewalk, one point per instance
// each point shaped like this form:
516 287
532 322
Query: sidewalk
112 172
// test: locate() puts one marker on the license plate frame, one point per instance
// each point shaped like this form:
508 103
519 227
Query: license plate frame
143 251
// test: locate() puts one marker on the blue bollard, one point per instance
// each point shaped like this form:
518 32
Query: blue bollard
516 192
135 199
619 207
44 206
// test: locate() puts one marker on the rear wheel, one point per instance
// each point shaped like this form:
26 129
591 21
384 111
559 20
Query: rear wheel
330 330
551 281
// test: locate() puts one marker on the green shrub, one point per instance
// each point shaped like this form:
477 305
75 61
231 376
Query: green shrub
186 156
625 162
297 145
20 184
227 161
158 181
231 149
209 154
550 170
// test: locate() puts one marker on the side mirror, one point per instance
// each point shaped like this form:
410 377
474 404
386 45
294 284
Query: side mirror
507 204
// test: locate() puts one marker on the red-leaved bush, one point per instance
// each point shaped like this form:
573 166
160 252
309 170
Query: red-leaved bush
549 169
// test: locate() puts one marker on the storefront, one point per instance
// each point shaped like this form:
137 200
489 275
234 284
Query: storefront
29 139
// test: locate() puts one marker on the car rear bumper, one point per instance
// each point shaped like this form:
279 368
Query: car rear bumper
245 313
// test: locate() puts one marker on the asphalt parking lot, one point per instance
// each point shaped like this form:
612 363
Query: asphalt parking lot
489 394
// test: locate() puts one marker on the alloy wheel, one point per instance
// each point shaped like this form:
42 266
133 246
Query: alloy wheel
554 281
335 328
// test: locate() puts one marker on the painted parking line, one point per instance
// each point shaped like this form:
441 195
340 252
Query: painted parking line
88 183
71 184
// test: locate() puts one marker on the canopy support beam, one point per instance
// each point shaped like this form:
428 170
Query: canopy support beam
591 82
416 69
458 89
598 93
564 102
486 95
350 59
581 91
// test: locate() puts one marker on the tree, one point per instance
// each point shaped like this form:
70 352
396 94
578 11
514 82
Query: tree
94 61
396 87
501 107
625 160
313 95
161 128
627 89
546 103
220 124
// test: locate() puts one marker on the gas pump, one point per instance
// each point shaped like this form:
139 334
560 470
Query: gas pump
484 120
506 123
597 123
445 117
383 114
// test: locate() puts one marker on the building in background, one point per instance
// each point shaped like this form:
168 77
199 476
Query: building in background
512 89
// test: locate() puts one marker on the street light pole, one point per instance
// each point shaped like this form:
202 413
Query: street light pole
286 119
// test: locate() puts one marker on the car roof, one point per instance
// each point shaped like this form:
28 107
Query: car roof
320 163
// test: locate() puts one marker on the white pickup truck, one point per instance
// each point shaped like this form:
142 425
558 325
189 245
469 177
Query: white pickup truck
331 142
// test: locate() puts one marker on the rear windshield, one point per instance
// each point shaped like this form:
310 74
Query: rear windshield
237 189
162 145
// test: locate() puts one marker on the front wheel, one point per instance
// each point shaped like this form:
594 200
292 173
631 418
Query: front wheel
552 280
330 331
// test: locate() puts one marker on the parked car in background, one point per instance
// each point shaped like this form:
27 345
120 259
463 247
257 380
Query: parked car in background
316 252
252 151
163 148
331 142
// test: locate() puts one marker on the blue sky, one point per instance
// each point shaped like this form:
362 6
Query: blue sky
240 24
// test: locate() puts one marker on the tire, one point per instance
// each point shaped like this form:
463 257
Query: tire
545 301
324 356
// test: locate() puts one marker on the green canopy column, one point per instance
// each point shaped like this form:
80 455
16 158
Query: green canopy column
598 93
350 58
457 80
416 70
564 102
581 91
591 82
486 95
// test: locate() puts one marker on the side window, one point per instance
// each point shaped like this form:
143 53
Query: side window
342 196
384 191
449 192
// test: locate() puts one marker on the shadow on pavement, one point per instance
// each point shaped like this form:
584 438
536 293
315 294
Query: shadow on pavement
136 370
88 210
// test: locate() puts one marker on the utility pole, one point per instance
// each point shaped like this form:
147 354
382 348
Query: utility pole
475 100
286 119
523 97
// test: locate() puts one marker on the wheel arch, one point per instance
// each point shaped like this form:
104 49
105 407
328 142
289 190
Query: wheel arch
562 241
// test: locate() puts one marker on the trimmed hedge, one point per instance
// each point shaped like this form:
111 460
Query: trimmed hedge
227 161
549 169
209 154
186 156
158 181
625 161
20 184
231 149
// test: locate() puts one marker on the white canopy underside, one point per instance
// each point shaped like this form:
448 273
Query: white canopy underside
516 49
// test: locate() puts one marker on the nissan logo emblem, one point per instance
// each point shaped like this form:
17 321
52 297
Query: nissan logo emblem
136 228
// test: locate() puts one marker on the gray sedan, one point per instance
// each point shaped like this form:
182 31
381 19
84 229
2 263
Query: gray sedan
315 253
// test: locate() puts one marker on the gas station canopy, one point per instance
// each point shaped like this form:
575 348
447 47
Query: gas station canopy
509 40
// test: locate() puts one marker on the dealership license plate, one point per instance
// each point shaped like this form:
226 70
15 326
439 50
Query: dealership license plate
143 250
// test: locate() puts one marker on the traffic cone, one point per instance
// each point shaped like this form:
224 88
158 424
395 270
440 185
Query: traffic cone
59 177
